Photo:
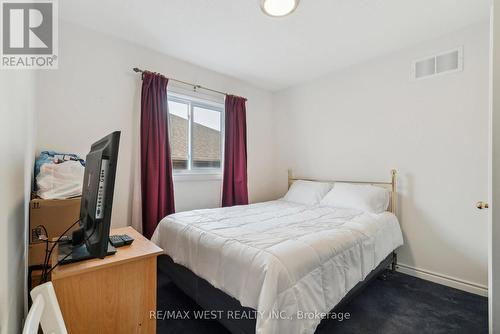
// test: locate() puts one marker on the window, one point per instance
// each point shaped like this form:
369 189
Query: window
196 134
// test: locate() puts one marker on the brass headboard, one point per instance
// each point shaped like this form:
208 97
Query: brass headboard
391 186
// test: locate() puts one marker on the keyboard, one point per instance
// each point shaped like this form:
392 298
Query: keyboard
120 240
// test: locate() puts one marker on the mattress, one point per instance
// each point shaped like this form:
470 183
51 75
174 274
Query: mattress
292 263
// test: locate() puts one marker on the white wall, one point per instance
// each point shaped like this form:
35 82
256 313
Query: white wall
362 121
356 123
16 164
95 92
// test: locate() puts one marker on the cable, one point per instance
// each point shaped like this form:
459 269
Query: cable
47 256
58 262
66 256
44 229
46 240
62 235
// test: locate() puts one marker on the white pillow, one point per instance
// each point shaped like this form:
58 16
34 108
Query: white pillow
367 198
307 192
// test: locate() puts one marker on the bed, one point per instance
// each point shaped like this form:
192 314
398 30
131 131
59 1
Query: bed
278 266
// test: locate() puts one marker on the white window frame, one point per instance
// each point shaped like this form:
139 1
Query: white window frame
193 174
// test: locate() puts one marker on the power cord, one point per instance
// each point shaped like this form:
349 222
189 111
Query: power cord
49 253
46 240
66 256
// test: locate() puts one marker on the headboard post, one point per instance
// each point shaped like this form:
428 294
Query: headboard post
393 190
290 178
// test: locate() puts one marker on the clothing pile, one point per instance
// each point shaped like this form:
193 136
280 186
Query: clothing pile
58 175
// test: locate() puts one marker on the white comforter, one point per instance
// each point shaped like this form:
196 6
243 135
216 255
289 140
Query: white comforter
279 257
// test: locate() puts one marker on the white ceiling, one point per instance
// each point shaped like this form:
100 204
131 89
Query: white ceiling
234 37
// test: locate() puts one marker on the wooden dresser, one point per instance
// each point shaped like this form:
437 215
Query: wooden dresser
111 295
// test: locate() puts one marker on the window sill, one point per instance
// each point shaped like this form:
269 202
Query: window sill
190 177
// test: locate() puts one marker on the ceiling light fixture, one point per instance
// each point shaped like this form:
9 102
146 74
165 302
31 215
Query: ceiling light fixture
278 8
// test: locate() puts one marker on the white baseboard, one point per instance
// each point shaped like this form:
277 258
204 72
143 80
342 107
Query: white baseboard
443 279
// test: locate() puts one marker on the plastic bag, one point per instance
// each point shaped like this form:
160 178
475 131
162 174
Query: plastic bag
60 181
52 157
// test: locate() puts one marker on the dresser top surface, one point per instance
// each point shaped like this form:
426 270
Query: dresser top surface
141 248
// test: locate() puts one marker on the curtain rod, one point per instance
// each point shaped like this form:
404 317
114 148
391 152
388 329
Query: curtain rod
138 70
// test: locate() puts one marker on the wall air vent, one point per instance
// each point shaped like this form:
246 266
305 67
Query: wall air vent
442 63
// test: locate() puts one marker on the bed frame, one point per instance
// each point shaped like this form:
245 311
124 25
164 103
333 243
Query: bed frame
391 186
213 299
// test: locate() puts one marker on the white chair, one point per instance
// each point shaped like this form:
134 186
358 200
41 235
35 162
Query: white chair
45 311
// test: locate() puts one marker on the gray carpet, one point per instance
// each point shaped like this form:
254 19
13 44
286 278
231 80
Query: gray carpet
397 304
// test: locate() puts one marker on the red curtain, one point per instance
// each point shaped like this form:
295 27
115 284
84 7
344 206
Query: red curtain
156 163
234 185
